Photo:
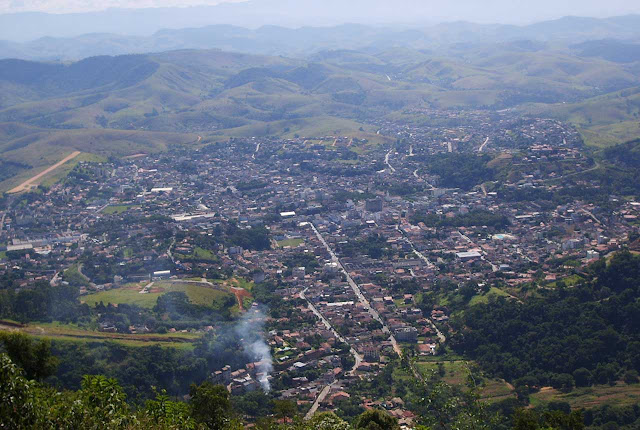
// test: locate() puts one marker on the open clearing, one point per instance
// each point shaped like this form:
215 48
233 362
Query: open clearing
198 292
456 373
32 182
70 332
620 394
292 243
118 209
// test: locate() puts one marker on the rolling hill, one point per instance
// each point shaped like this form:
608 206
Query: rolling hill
603 121
133 104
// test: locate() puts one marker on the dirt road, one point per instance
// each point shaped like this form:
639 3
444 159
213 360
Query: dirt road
30 183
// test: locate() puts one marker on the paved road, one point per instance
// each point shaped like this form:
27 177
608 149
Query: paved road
356 289
597 166
257 149
102 208
592 216
483 145
386 160
147 288
329 326
440 335
323 395
415 251
173 242
358 358
85 277
55 279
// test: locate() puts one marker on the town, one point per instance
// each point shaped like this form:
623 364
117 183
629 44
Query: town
356 241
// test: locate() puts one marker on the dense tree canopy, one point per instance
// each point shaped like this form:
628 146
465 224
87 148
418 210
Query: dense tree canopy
567 336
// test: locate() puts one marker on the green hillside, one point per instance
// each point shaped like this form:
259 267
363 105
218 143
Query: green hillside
603 121
144 103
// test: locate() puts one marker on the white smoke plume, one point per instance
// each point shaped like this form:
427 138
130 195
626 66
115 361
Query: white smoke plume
250 329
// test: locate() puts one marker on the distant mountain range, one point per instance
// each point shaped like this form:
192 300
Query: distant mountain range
275 40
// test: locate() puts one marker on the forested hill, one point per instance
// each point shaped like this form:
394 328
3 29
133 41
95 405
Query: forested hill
564 337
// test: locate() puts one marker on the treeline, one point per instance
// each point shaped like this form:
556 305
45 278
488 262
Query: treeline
458 170
256 238
374 245
474 218
42 303
567 337
101 403
139 369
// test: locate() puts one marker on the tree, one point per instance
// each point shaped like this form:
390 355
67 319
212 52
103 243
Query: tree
328 421
103 403
376 419
564 382
34 357
582 377
163 413
631 377
17 408
285 409
210 405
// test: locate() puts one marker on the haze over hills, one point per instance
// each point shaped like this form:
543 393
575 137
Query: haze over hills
275 40
27 26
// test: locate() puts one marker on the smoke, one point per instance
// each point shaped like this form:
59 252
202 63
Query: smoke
250 329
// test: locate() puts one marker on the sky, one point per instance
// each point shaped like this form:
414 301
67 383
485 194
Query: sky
67 6
498 11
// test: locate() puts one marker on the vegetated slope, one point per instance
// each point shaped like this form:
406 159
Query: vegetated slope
603 121
565 337
51 79
219 94
611 50
31 154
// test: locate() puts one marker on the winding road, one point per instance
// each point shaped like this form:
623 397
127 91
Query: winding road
257 149
386 160
483 145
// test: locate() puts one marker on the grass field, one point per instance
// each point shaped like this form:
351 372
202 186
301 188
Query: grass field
293 243
589 397
69 332
73 275
198 254
118 209
200 294
203 254
456 373
484 298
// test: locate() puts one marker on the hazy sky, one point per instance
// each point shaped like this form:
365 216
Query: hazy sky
63 6
498 11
